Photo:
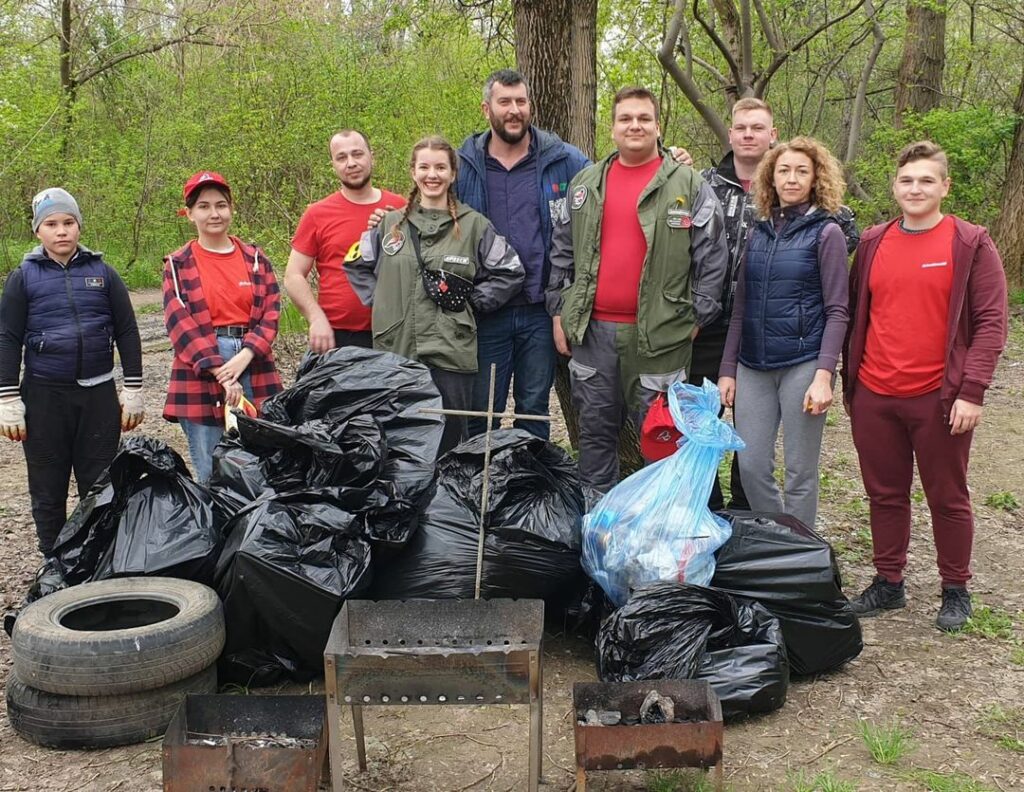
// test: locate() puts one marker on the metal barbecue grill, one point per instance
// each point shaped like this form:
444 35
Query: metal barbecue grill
434 652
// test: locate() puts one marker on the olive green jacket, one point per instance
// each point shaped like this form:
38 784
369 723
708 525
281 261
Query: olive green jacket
683 272
386 275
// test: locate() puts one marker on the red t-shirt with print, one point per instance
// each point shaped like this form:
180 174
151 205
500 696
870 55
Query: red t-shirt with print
909 287
327 232
227 286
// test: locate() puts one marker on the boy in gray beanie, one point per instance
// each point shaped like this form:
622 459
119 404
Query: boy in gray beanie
66 308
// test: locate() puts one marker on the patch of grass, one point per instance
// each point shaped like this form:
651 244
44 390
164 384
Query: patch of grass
917 495
149 308
824 781
1005 726
1004 500
831 483
831 418
948 782
858 509
886 744
989 622
1017 297
1017 655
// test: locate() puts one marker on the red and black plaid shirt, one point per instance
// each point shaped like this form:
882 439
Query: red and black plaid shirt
193 392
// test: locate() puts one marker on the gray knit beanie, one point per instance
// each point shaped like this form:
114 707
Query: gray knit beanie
51 201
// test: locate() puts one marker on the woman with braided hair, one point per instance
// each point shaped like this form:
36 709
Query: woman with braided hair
427 271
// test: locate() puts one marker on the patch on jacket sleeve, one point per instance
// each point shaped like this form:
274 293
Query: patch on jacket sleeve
579 197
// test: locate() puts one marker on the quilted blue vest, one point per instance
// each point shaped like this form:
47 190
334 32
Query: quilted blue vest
783 310
69 325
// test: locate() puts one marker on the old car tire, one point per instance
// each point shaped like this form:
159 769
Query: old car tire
98 721
117 636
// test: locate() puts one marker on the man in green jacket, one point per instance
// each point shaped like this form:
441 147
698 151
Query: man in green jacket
638 263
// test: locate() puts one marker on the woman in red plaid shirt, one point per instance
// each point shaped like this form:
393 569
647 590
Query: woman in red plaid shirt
221 306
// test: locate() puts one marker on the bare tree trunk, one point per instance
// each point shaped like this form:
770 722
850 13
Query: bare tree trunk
583 71
67 82
1008 230
543 29
919 77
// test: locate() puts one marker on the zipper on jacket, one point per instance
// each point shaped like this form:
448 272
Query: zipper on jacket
78 321
764 297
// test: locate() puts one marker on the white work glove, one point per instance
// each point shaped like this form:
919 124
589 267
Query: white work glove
12 418
133 408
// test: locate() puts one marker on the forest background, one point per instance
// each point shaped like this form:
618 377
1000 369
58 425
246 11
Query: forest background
120 101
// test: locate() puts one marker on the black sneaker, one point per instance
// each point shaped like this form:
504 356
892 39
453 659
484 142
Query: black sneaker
880 595
955 610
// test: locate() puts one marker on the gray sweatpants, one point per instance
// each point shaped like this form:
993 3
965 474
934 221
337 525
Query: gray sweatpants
763 399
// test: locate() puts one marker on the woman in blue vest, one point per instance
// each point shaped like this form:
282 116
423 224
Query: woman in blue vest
788 323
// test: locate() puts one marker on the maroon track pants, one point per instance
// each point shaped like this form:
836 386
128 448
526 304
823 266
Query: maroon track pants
889 432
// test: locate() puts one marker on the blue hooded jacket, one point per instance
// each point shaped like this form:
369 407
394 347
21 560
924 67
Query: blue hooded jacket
557 163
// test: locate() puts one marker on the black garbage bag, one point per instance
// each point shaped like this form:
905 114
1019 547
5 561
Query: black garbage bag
785 566
678 631
263 457
370 392
144 516
289 562
532 532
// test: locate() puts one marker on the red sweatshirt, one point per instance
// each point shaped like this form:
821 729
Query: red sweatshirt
978 313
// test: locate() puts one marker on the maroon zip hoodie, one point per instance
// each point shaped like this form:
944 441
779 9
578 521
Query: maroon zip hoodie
978 313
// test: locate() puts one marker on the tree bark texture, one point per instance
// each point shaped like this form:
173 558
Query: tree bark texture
583 76
1008 230
543 31
919 77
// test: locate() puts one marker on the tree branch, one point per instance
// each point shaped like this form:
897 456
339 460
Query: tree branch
860 99
666 56
763 79
746 43
84 77
771 34
717 41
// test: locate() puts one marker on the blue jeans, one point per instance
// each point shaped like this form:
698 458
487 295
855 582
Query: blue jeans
518 339
202 438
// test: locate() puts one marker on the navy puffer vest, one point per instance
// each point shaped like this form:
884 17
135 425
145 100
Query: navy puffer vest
783 310
69 325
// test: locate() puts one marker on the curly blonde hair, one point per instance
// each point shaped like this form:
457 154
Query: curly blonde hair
826 191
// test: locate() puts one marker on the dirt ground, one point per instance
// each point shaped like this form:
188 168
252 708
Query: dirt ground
960 698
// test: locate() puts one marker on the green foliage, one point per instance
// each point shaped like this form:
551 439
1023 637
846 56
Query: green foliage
1004 500
1017 655
886 744
973 139
988 622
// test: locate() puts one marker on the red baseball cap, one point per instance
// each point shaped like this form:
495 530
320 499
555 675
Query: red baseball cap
659 437
204 179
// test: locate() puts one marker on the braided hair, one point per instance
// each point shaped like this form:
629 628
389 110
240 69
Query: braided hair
435 143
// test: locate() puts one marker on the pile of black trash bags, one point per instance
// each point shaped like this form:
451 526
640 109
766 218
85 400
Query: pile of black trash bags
335 492
775 607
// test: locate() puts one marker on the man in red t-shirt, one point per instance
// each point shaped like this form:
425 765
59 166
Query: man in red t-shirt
328 231
928 320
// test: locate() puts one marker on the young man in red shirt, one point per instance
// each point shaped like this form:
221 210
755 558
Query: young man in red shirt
928 320
328 230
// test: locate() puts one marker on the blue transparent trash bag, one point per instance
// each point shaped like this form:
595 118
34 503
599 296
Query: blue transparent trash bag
656 524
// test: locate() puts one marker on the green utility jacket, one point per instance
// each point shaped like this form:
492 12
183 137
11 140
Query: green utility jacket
684 270
386 275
